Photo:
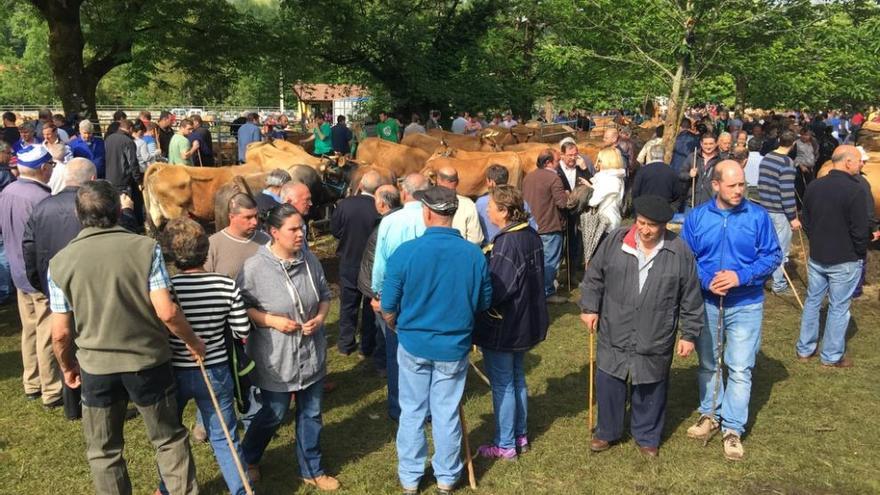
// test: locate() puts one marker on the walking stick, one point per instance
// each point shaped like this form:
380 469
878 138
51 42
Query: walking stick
788 279
719 361
694 181
592 371
477 370
238 466
567 260
803 246
199 156
472 478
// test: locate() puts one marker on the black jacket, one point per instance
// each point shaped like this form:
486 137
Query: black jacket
352 222
518 318
703 180
165 136
578 174
120 161
658 179
51 226
265 203
835 217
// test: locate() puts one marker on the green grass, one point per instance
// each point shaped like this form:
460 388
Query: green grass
811 430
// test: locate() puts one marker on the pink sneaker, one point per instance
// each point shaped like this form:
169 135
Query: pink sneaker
496 452
522 444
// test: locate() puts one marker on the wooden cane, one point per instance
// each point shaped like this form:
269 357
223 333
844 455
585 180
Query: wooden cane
788 279
477 370
232 449
472 478
694 182
592 371
803 245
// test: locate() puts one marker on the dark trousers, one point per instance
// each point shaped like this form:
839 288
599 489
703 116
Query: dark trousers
647 405
352 303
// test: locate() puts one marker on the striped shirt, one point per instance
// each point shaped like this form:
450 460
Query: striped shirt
210 302
776 184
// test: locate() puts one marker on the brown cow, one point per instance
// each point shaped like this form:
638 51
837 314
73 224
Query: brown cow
278 153
472 171
399 159
388 177
424 142
462 142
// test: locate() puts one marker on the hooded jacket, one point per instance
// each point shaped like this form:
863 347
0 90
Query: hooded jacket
285 362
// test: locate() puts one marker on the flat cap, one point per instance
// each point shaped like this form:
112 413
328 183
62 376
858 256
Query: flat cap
653 208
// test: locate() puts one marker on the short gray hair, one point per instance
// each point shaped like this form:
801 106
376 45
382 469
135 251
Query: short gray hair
415 182
86 126
277 178
371 181
79 171
656 153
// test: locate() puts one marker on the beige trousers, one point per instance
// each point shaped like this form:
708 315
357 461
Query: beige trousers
41 370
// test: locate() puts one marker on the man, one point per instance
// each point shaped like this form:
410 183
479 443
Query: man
610 138
657 179
432 288
114 363
573 171
118 116
836 219
51 226
696 172
459 123
41 374
121 159
43 116
756 140
543 190
29 137
686 142
776 193
434 121
386 201
395 229
725 146
627 149
270 196
90 146
202 135
643 158
323 137
466 219
248 133
8 174
166 131
181 149
508 121
229 248
352 222
60 153
415 126
10 130
496 175
299 196
340 137
388 128
637 331
145 116
736 250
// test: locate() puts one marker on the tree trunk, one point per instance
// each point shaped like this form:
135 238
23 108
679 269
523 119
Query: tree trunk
740 88
673 111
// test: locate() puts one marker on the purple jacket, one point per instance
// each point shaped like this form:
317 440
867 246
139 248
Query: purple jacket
16 203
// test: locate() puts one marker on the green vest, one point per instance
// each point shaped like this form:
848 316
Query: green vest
105 274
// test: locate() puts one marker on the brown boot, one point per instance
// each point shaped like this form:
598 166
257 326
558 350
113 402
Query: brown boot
597 445
844 362
703 429
324 483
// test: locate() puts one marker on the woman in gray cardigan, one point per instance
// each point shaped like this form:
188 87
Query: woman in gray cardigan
287 297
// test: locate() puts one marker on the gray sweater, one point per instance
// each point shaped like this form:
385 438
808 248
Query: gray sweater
285 362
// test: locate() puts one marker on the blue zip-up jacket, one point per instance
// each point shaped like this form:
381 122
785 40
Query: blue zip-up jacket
741 239
436 284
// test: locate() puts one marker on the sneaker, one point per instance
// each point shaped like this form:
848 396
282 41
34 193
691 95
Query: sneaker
199 434
703 429
522 444
496 452
324 483
33 395
733 447
54 404
444 489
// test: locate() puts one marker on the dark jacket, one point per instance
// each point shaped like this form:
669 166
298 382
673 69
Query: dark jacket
120 161
51 226
545 194
165 136
835 218
637 329
340 135
265 203
365 276
703 180
685 143
518 318
579 173
352 222
658 179
206 146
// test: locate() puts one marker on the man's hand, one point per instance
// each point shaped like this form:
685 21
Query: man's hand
591 320
72 377
195 145
197 349
283 324
693 172
125 201
390 320
376 304
312 326
723 282
876 236
795 224
685 348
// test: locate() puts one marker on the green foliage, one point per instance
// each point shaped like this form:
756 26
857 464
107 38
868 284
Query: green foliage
24 57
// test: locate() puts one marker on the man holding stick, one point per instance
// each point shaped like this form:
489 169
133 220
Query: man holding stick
776 194
639 282
697 170
736 250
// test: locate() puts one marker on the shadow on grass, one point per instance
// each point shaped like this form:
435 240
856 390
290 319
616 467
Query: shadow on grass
10 364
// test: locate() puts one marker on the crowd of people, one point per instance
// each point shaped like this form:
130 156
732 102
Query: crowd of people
425 274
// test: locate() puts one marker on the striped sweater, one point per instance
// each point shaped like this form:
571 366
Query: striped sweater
776 184
210 302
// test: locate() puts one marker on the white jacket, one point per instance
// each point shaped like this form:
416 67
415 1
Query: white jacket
608 195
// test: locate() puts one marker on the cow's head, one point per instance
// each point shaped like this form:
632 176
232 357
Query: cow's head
170 193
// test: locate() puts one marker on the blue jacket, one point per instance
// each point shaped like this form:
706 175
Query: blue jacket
92 149
685 144
436 284
741 239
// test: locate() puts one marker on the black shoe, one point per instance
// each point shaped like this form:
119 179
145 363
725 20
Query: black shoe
33 395
54 404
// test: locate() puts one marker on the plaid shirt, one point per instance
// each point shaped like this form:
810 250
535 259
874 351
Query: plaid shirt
159 279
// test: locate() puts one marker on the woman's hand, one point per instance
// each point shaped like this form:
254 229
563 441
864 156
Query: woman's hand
282 324
312 326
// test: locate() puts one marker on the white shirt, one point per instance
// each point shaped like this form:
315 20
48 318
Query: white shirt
414 128
570 174
467 220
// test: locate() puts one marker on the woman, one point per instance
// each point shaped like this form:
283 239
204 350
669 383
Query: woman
288 299
517 321
605 203
211 303
144 157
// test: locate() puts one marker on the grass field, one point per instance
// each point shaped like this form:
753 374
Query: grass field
811 430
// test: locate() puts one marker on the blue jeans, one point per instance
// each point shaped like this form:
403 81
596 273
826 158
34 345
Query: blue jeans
390 367
839 281
509 395
191 385
6 288
742 337
552 256
783 232
433 387
308 427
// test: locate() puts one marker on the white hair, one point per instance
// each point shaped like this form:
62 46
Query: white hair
86 126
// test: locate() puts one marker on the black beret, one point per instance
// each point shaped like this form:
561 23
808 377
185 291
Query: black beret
653 208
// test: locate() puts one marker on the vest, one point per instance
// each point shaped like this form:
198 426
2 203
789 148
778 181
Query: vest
104 273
